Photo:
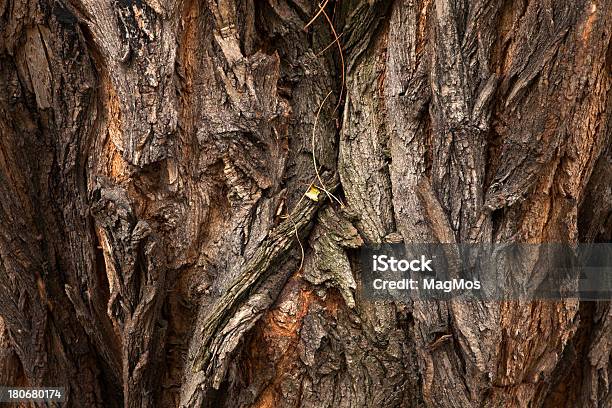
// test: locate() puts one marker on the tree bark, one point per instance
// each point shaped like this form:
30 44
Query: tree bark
185 187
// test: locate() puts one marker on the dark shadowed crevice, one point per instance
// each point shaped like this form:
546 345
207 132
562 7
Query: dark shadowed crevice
568 381
100 269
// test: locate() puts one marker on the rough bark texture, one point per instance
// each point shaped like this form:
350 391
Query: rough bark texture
157 246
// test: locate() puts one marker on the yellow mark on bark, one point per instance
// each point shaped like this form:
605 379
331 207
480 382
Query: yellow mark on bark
313 193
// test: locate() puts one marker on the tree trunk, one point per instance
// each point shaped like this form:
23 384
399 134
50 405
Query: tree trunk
185 187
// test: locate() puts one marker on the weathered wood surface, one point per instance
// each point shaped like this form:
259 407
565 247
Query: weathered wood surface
156 245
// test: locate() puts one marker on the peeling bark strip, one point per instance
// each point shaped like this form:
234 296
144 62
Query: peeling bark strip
157 247
266 256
